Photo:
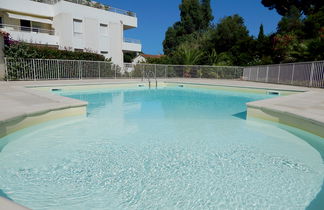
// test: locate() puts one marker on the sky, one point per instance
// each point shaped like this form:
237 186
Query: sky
155 16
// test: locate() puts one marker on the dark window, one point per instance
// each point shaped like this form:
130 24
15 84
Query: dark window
78 50
1 22
104 52
25 25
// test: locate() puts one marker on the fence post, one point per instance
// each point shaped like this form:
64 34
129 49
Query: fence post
257 77
115 71
80 70
311 75
267 77
142 67
155 70
293 74
99 68
58 70
34 72
279 73
6 69
165 71
250 73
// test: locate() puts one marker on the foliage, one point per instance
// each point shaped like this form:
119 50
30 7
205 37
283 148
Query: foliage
306 7
195 16
129 56
23 50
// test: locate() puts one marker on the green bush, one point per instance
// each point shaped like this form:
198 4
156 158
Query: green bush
23 50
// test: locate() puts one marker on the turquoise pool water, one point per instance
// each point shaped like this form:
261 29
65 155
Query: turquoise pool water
170 148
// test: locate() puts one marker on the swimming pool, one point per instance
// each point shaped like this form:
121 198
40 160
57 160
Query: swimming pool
166 148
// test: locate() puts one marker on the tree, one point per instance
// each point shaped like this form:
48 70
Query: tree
207 14
229 32
306 7
195 16
291 23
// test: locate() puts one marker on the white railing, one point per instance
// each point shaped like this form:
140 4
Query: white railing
47 1
182 71
7 27
309 74
92 4
131 40
52 69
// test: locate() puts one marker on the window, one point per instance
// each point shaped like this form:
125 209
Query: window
78 50
104 52
77 26
1 22
103 29
25 25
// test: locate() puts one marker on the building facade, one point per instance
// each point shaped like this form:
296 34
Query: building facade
79 25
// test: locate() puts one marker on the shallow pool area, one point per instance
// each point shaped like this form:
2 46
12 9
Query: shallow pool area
166 148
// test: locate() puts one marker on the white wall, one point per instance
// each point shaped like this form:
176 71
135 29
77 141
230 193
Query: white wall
116 42
63 24
91 34
35 38
133 47
28 7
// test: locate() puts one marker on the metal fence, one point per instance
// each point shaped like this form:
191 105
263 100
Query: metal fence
49 69
309 74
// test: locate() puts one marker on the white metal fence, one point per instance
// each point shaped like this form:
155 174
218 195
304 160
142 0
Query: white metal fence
49 69
309 74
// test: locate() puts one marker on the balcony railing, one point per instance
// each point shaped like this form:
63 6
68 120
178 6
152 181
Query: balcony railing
130 40
26 29
92 4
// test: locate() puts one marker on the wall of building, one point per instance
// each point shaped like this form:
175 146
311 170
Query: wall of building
116 42
63 14
91 35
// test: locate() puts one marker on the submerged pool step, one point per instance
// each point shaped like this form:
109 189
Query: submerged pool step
273 92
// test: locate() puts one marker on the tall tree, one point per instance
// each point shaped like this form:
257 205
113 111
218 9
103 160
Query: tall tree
261 35
195 16
229 32
191 16
291 22
207 14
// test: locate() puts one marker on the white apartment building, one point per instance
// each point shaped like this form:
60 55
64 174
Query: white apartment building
79 25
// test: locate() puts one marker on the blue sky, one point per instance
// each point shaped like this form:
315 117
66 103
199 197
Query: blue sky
155 16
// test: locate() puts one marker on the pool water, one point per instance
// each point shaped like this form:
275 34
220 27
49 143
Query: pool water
168 148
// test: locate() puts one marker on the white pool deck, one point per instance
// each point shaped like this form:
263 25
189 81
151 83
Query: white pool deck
22 107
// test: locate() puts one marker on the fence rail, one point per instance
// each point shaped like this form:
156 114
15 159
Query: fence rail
49 69
93 4
26 29
309 74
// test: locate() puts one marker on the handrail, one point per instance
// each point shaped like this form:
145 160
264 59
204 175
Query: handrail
131 40
27 29
92 4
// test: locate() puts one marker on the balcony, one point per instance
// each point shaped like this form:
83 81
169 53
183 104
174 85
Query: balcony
32 35
132 45
92 4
